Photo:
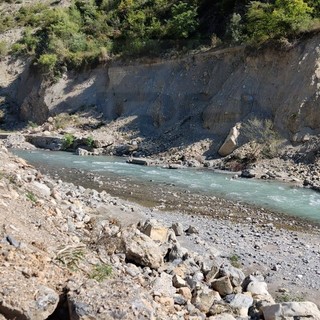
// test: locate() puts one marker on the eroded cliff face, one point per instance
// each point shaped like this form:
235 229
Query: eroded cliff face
204 94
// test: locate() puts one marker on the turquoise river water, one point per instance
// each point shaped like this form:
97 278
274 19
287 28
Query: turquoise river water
276 196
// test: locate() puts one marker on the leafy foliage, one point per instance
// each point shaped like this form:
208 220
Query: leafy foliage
282 19
68 140
101 272
91 31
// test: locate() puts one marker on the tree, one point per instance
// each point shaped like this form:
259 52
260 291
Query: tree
282 19
184 20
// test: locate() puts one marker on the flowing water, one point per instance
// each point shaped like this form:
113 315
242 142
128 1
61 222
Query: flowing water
276 196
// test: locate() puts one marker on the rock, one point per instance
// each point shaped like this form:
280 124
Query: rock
185 292
231 142
175 166
223 286
291 310
242 302
177 252
236 275
178 282
155 231
162 286
192 230
37 305
204 298
82 152
142 250
213 273
248 173
139 161
39 187
13 241
177 228
222 316
258 288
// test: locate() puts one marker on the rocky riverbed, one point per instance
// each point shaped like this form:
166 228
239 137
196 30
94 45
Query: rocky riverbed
73 252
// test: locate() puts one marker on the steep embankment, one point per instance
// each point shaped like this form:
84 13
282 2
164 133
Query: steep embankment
202 95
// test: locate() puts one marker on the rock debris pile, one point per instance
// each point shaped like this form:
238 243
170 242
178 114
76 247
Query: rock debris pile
73 253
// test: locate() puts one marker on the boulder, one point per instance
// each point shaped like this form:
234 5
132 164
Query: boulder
248 173
40 188
223 286
204 298
155 231
231 142
82 152
185 292
179 282
139 161
242 302
213 273
236 275
162 286
177 228
141 249
36 305
291 310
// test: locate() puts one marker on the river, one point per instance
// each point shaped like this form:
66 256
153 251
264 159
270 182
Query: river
276 196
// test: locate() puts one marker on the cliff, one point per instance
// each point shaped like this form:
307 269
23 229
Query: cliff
201 95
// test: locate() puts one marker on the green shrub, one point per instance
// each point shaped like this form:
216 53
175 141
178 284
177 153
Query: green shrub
68 140
70 256
47 62
101 272
282 19
30 196
184 20
6 22
90 142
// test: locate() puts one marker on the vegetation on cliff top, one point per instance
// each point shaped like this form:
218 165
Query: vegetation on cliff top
93 30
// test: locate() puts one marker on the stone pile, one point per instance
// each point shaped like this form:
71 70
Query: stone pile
75 253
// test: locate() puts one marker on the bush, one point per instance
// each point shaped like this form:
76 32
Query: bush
47 62
184 20
68 140
89 142
101 272
273 21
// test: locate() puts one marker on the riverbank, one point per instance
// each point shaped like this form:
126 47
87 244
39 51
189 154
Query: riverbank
87 134
60 218
273 243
